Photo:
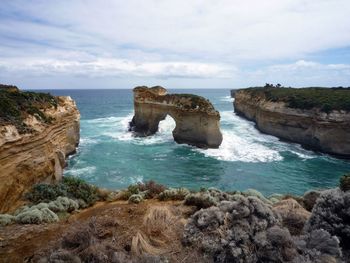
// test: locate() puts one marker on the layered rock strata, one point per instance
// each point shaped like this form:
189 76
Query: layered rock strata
197 121
312 128
38 155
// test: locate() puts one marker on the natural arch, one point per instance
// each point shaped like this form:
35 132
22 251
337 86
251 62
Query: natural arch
197 121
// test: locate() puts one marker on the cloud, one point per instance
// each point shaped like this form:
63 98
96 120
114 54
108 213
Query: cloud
222 39
227 30
108 67
302 73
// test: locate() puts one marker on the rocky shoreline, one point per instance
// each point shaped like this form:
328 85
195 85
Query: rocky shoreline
49 218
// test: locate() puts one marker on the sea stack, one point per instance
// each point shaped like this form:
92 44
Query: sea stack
197 121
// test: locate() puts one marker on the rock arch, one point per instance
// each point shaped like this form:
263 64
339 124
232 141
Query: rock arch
197 121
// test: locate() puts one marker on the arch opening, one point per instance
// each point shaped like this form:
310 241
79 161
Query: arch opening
167 126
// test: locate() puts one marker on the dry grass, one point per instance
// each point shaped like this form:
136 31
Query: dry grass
118 231
141 245
159 228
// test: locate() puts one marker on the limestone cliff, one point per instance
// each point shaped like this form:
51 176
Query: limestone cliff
36 153
313 128
197 121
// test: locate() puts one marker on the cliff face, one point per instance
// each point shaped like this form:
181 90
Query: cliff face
197 121
325 132
39 155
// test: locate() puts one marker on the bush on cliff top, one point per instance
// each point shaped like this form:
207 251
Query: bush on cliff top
46 192
345 183
325 99
70 187
16 105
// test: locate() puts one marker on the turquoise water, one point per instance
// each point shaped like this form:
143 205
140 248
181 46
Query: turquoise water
109 156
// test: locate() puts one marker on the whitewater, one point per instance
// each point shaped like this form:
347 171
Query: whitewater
110 156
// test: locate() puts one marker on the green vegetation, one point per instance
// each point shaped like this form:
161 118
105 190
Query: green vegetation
148 190
79 189
16 105
325 99
173 194
345 183
46 192
200 200
151 188
196 101
69 187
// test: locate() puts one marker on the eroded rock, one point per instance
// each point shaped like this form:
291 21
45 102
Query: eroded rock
197 121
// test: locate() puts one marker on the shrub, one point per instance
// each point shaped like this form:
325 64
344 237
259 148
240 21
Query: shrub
173 194
69 187
345 182
253 192
6 219
325 99
151 188
136 198
16 105
200 200
79 189
331 213
35 216
63 204
46 192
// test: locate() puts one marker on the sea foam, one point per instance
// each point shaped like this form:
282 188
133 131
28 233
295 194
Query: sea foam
241 140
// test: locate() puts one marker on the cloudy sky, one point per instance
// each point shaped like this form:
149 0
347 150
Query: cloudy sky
177 44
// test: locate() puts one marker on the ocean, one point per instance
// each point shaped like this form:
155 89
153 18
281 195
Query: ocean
109 156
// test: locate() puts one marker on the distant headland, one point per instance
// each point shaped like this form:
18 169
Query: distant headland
317 118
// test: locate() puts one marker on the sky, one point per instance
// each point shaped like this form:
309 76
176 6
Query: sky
85 44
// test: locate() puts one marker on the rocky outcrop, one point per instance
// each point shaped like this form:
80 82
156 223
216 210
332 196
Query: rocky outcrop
38 155
313 128
197 121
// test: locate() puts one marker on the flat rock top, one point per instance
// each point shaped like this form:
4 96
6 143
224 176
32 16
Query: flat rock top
185 102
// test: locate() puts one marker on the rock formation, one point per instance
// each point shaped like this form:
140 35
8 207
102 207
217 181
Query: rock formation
197 121
38 153
315 129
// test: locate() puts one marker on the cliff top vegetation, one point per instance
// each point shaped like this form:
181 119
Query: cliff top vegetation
16 105
325 99
191 102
